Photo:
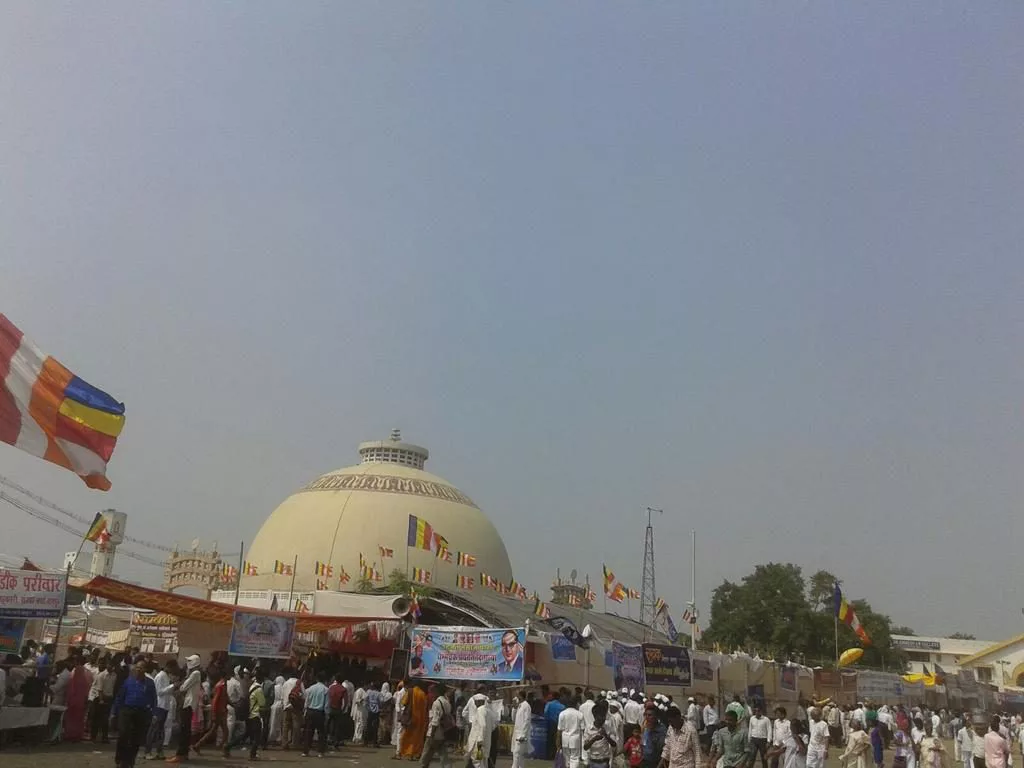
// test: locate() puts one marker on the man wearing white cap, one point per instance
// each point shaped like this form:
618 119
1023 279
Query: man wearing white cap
187 691
617 724
633 710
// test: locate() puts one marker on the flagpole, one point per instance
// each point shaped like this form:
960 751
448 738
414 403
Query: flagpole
238 584
835 617
67 585
693 588
291 589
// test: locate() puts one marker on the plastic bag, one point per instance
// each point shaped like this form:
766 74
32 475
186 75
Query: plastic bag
559 759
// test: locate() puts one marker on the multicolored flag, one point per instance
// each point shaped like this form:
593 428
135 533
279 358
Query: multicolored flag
487 581
323 569
689 617
632 594
591 595
618 593
421 575
47 411
250 569
301 607
609 580
659 606
414 607
228 571
464 582
385 551
466 560
282 567
322 585
343 577
422 535
846 614
370 573
98 532
541 609
443 553
575 601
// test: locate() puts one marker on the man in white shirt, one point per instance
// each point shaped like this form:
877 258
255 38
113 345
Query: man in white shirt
521 731
587 710
101 697
858 713
238 694
780 732
165 682
710 713
691 711
291 725
359 714
633 710
188 688
817 747
965 743
570 734
616 725
759 730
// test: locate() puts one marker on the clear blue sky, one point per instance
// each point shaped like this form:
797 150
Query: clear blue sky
755 263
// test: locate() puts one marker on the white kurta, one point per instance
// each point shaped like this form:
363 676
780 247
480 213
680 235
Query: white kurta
521 735
482 724
359 715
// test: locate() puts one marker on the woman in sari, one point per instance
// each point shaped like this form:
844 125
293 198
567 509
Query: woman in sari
77 701
414 730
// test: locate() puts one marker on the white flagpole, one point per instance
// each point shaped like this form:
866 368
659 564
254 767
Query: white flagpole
693 588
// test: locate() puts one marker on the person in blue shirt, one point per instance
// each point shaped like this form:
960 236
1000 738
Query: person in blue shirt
133 708
551 712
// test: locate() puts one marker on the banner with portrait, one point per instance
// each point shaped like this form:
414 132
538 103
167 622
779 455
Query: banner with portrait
787 678
627 665
702 670
256 635
467 653
667 665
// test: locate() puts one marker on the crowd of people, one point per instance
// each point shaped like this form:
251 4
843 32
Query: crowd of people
169 711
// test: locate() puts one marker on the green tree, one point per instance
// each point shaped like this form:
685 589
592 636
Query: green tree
767 612
901 630
821 592
962 636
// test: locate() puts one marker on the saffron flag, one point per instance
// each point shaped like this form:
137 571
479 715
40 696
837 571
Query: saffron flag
466 560
385 551
618 593
98 532
846 614
47 411
421 535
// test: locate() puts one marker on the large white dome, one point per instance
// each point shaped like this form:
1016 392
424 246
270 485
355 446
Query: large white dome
352 512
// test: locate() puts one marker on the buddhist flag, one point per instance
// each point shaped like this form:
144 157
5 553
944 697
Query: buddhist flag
385 551
574 601
322 585
466 560
421 575
659 606
343 577
487 581
282 567
591 594
541 609
464 582
47 411
632 594
421 535
846 614
98 532
618 593
609 580
249 569
443 553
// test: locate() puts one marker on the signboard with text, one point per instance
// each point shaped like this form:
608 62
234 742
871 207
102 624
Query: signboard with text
31 594
667 665
467 653
257 635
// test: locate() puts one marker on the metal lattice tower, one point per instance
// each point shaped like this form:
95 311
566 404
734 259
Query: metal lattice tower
647 593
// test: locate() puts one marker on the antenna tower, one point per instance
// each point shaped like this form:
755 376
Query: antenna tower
647 593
